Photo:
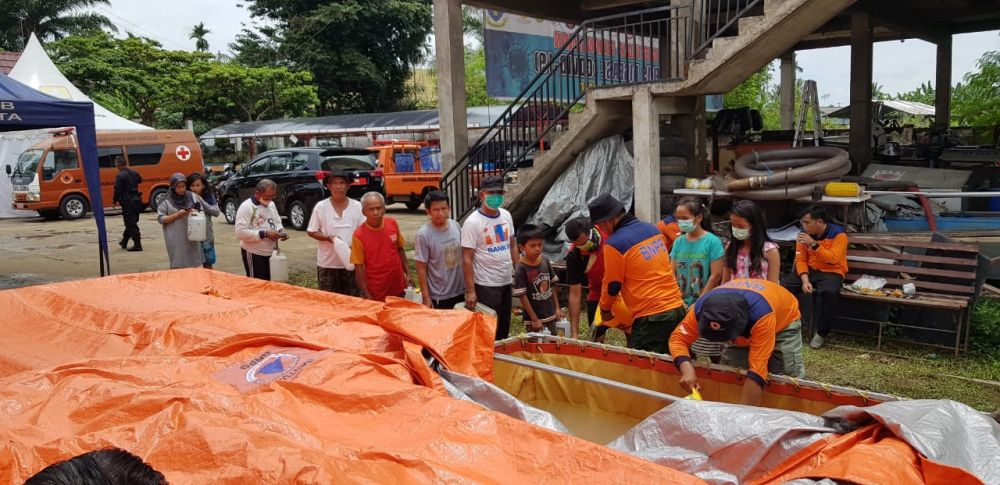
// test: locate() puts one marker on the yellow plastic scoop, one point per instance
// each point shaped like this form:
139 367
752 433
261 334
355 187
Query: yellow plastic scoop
695 395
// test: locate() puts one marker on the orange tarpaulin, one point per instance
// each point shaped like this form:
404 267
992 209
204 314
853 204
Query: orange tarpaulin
217 378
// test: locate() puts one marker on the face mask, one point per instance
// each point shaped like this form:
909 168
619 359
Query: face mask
494 201
686 225
592 243
741 234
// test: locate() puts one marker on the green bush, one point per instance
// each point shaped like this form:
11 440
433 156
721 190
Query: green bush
985 336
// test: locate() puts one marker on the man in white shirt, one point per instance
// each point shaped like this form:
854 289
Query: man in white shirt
332 223
490 253
258 227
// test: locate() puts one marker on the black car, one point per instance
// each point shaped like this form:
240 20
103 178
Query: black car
299 173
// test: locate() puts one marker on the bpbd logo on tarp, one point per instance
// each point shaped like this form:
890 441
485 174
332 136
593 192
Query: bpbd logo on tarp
275 364
8 111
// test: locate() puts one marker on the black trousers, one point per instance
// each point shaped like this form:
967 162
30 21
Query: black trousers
499 299
448 303
826 294
256 266
130 214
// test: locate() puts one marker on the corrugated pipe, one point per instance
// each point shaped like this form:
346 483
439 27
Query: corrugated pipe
787 174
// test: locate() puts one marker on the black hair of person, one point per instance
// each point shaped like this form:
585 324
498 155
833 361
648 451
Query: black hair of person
577 226
110 466
434 196
529 232
697 208
817 212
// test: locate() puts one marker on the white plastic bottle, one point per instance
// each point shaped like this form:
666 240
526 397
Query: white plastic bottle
196 227
279 266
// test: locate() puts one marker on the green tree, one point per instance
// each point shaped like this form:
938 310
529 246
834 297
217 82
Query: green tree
922 94
976 100
475 78
48 19
198 33
360 52
258 47
878 92
135 77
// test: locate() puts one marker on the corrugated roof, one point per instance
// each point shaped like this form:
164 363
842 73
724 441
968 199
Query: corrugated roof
909 107
399 122
7 61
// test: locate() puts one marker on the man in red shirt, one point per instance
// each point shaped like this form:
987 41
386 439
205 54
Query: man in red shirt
377 252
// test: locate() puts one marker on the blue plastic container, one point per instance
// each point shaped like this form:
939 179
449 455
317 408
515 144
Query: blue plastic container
404 162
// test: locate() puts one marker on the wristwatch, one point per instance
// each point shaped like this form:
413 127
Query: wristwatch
814 245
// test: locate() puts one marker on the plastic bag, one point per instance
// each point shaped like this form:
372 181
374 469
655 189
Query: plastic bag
413 294
868 283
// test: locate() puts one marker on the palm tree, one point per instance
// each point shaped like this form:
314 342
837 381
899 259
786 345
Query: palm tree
48 19
198 33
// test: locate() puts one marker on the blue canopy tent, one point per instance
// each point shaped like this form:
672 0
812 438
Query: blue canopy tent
23 108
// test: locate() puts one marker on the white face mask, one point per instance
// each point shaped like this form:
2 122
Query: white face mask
741 234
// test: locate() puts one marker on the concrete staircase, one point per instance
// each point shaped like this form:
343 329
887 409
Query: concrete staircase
757 40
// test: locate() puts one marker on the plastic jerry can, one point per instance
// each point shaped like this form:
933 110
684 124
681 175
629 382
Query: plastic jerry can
563 328
197 228
279 266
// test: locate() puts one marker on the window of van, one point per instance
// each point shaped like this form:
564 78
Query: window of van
298 162
279 161
139 155
106 156
58 160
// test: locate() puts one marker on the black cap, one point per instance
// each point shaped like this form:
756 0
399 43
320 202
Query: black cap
493 182
723 316
604 207
336 174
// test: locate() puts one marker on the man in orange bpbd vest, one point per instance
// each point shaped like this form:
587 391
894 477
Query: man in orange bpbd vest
758 320
637 269
820 266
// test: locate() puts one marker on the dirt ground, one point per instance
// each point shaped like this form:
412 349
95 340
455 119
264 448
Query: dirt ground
35 251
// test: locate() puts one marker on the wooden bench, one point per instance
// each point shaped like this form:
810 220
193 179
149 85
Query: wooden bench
947 275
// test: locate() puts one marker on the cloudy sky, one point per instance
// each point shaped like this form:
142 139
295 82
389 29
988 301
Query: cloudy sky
899 66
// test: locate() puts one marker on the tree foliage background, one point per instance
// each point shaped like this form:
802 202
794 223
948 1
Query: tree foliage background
360 52
135 77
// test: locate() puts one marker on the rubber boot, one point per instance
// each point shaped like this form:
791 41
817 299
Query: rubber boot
137 246
124 242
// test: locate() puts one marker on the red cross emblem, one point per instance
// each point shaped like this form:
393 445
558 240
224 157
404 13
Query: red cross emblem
182 152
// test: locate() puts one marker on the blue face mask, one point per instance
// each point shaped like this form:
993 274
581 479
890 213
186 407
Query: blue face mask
686 225
494 201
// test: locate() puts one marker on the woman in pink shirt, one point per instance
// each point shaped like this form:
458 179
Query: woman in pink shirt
750 253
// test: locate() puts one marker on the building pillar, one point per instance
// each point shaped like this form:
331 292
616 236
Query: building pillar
942 86
450 61
787 91
646 144
861 92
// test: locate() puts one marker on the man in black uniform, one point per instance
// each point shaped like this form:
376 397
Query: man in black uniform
127 195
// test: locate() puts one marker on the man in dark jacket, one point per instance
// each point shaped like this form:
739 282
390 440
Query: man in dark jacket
127 195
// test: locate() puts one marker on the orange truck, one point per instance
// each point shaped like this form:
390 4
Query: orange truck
48 177
412 169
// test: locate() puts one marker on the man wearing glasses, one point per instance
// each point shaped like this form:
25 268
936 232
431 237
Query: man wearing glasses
258 227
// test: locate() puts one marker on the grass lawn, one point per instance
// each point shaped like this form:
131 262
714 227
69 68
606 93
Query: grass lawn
907 371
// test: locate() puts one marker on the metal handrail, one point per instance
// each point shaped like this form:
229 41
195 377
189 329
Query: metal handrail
731 17
561 82
646 45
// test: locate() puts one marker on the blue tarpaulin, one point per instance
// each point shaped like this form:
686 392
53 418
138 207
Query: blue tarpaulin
23 108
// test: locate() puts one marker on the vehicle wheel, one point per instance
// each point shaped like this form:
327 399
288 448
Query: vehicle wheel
73 206
155 198
49 214
229 210
298 215
413 205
